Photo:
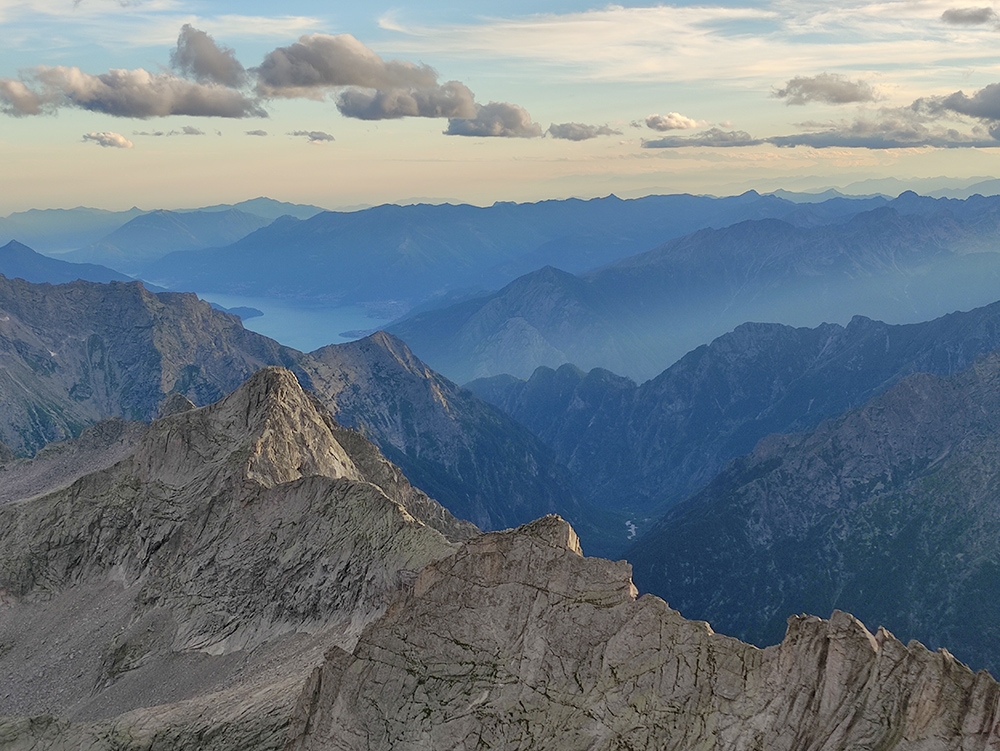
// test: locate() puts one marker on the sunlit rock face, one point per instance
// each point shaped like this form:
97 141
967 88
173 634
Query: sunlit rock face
192 584
519 642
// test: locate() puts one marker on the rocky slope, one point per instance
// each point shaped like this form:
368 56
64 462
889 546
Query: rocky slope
908 261
185 592
73 354
518 642
641 448
890 511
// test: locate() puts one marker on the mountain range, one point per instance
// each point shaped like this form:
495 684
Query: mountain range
18 261
76 353
910 260
890 511
410 254
250 575
637 449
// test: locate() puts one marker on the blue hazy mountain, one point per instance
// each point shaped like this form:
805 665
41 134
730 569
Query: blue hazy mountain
152 235
410 254
18 261
59 230
637 449
911 260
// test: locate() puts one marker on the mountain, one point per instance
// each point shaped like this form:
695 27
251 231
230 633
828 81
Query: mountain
911 260
155 234
637 449
890 511
411 254
73 354
59 230
195 582
18 261
267 208
518 641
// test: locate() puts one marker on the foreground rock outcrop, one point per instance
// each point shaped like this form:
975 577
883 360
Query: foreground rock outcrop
518 642
180 597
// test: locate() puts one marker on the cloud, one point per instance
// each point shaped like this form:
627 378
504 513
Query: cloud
122 93
256 132
984 104
968 16
187 130
890 128
109 139
18 100
673 121
712 137
451 99
496 120
319 62
198 56
314 136
580 132
829 88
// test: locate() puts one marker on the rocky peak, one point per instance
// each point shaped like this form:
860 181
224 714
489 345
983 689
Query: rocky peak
268 430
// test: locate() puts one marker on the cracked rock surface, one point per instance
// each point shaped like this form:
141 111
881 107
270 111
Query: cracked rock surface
518 642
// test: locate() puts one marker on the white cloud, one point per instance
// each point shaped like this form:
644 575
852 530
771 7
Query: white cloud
109 139
673 121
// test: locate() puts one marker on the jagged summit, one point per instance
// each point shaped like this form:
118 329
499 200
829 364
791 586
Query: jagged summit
209 567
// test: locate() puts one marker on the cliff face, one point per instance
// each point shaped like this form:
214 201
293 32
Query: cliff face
890 511
518 642
204 572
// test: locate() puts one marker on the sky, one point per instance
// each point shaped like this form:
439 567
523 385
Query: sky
183 103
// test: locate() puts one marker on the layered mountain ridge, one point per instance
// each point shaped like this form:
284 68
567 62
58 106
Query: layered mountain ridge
889 511
206 568
74 354
641 448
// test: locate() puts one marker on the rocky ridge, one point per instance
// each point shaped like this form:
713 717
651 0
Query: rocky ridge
518 642
640 448
71 355
890 511
189 588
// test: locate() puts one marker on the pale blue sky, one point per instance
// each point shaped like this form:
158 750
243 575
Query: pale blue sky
553 99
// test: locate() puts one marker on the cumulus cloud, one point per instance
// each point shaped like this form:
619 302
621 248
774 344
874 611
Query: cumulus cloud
968 16
829 88
984 104
673 121
199 57
314 136
122 93
496 120
451 99
319 62
109 140
256 132
580 132
712 137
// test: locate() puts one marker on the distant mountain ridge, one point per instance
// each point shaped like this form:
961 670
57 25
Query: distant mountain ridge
413 253
640 448
913 259
156 233
18 261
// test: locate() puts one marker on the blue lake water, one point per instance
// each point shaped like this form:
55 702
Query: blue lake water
304 329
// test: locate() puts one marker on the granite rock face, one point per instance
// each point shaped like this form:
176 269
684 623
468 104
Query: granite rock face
187 590
518 642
